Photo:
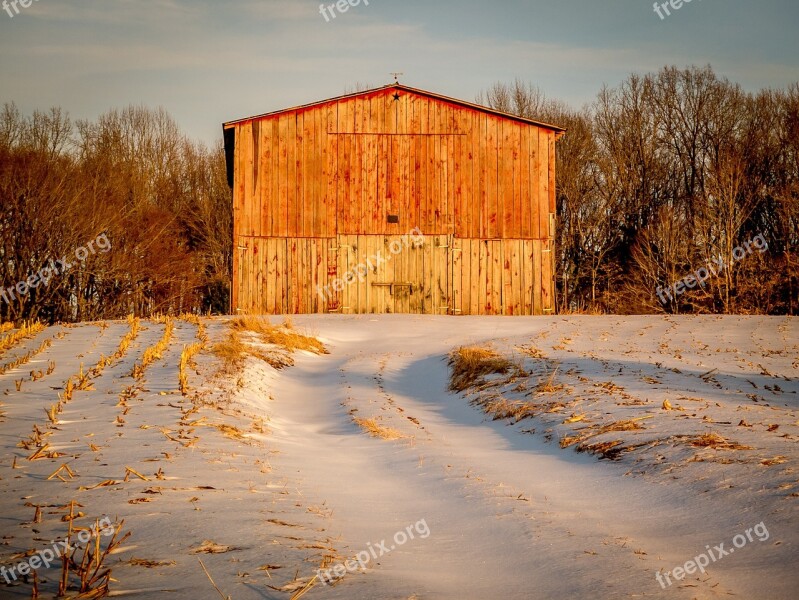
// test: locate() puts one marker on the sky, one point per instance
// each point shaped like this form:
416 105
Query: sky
209 61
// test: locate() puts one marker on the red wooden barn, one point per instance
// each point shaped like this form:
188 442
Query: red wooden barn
392 200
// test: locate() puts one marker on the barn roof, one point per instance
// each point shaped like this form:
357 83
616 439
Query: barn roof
399 86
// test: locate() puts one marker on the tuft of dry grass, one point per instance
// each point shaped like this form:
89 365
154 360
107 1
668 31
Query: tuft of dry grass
532 352
499 408
230 431
610 450
284 336
549 386
471 364
375 429
717 442
234 348
591 431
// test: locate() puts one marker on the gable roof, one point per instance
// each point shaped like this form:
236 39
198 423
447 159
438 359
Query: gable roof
401 87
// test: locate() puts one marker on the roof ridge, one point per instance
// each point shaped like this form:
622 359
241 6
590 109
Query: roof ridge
400 86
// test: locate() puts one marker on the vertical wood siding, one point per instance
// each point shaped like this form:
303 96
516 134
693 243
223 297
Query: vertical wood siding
314 187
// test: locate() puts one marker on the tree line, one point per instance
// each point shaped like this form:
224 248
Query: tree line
657 178
160 200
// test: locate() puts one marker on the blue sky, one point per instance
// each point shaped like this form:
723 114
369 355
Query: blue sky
209 61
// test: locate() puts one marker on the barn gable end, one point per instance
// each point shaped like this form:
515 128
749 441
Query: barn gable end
320 191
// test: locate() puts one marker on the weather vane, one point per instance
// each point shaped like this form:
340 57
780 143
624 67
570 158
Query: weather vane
396 76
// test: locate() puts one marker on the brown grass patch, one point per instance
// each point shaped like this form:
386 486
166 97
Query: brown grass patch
471 364
230 431
151 564
501 408
284 336
234 348
609 450
28 330
532 352
375 429
717 442
595 430
549 386
211 547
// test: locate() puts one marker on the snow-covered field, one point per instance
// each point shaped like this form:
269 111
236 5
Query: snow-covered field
688 431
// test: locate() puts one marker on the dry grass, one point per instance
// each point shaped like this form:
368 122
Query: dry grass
186 358
532 352
471 364
232 350
211 579
286 340
28 330
499 408
375 429
591 431
155 352
582 310
549 386
18 362
717 442
134 323
92 576
84 383
610 450
230 431
284 336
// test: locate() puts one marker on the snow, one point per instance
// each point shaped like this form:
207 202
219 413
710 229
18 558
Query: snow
510 513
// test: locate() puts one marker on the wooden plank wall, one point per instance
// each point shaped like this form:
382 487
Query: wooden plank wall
344 166
501 277
287 276
368 262
344 274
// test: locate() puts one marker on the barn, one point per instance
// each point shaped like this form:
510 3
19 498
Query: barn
392 200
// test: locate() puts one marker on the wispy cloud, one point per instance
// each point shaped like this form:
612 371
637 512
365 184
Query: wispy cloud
208 61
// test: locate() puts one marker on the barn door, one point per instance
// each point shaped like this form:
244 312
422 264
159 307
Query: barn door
381 274
438 292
